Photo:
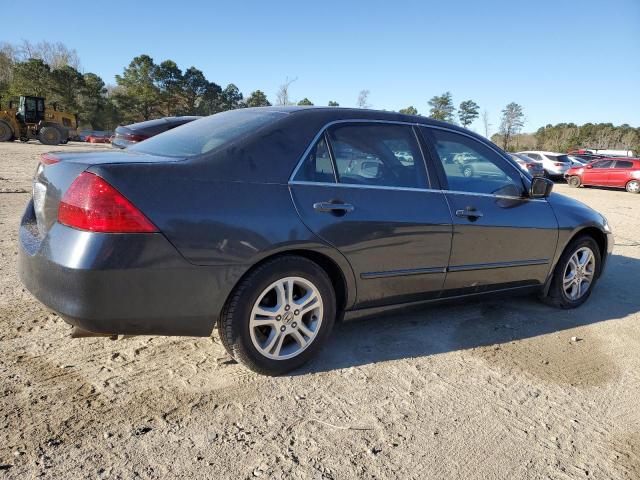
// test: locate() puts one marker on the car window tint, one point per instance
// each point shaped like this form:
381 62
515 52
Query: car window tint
471 166
377 154
317 166
623 164
603 164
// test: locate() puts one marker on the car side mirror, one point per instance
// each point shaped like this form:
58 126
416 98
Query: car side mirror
540 187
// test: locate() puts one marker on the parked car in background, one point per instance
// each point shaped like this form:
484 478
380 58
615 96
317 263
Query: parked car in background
137 132
585 157
533 167
607 172
98 138
554 164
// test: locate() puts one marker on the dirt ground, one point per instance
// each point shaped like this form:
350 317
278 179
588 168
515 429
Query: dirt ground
492 389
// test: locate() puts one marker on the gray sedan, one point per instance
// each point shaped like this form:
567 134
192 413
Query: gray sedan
270 224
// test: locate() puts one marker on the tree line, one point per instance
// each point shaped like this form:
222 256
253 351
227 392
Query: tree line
147 90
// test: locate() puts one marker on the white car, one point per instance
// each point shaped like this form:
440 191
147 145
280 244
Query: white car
554 164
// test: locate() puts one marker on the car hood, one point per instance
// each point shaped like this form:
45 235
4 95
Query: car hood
573 213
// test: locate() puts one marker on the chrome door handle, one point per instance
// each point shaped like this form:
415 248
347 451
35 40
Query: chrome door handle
470 213
330 207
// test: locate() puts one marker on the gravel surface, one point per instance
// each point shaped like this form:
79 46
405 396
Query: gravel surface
488 389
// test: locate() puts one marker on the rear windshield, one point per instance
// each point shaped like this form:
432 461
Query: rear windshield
206 134
559 158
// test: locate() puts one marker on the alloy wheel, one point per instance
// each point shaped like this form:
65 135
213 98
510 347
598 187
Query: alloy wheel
579 273
633 186
286 318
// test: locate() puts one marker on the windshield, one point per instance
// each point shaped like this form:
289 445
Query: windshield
202 136
559 158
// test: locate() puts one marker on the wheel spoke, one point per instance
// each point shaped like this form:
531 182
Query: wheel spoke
281 294
568 280
278 347
307 303
266 311
263 322
299 338
289 298
305 331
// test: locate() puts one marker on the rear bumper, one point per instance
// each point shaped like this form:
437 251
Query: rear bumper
121 283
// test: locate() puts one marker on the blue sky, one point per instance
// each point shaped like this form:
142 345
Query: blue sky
561 60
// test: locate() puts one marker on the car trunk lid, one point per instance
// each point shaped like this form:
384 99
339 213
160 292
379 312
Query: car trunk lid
57 171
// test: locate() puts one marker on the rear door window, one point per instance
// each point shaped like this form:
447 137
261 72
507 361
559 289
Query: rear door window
317 165
623 164
535 156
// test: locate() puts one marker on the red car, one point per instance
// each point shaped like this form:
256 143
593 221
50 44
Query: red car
97 139
607 172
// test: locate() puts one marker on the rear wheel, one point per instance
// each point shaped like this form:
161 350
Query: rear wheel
574 181
575 274
279 316
633 186
6 133
50 136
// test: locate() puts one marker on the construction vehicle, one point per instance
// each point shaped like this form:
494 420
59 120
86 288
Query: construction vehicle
32 119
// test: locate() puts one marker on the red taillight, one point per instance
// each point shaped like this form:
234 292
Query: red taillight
531 165
48 159
92 204
134 138
558 164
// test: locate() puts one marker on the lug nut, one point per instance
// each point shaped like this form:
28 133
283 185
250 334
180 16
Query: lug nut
297 312
278 317
294 324
287 307
283 328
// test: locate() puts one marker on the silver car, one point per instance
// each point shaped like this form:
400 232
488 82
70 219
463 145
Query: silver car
554 164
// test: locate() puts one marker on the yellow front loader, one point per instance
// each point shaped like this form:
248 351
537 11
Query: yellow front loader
32 119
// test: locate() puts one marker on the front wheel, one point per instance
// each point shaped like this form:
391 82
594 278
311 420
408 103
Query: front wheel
575 274
50 136
633 186
279 316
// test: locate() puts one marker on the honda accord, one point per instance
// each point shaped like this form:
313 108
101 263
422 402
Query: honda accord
270 224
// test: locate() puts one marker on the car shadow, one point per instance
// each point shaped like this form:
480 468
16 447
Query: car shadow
476 323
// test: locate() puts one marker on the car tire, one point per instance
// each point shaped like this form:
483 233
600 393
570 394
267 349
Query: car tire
633 186
273 344
561 291
50 136
574 181
6 132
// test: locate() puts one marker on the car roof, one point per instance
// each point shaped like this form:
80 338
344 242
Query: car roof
543 152
346 113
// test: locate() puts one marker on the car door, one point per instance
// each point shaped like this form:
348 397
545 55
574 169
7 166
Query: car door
620 173
363 188
501 237
597 173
